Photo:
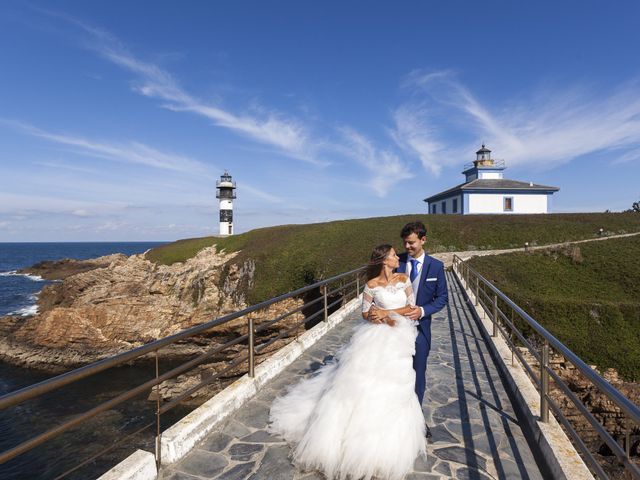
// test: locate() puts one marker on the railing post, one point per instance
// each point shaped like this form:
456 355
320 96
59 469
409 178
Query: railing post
512 336
627 439
158 434
251 348
326 311
468 276
495 315
477 290
544 383
357 285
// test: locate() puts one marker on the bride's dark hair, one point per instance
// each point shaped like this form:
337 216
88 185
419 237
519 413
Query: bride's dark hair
374 267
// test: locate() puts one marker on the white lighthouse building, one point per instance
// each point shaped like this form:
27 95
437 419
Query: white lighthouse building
226 194
485 190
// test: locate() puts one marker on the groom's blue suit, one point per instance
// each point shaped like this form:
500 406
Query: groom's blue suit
432 296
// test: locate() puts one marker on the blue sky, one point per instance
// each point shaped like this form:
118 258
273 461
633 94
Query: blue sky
116 118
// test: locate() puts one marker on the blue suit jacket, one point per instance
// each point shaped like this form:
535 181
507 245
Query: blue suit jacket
432 294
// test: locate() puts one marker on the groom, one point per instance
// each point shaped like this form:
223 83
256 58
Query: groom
430 289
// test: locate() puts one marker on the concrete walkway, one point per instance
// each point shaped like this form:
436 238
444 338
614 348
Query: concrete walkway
476 434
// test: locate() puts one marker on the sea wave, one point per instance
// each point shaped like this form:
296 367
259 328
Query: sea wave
28 310
14 273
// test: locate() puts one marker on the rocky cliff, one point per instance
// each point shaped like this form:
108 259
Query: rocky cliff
112 304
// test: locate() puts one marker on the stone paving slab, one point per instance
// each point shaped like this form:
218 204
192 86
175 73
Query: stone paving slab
476 434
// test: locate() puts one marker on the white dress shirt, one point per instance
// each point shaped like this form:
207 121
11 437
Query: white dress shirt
416 283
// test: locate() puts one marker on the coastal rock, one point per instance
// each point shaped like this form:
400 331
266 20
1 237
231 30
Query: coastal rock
61 269
117 303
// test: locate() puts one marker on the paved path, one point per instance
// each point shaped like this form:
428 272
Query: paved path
447 257
476 434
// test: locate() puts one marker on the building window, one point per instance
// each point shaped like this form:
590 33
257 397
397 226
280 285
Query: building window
455 205
433 208
508 204
444 207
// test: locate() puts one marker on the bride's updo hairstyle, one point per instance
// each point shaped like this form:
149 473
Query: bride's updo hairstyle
374 267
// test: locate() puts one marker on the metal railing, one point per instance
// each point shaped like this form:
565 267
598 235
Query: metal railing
332 292
496 164
494 303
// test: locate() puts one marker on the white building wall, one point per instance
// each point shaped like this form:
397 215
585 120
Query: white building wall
494 203
226 228
490 174
449 203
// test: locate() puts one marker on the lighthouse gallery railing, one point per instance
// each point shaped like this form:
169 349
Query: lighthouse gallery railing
333 292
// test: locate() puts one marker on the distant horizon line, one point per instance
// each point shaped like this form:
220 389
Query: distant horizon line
90 241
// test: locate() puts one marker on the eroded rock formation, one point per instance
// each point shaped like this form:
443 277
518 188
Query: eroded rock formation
116 303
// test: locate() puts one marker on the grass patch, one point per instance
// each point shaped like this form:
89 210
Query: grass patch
289 256
589 300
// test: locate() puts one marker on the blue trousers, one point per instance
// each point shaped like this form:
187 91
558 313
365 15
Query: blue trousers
423 346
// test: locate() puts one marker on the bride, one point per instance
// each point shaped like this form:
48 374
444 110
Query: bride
359 417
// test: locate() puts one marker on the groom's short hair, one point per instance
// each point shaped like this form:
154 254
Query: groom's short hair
414 227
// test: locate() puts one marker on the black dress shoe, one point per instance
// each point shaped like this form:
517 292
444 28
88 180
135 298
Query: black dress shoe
428 431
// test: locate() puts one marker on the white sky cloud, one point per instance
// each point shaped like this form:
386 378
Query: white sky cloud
386 168
130 152
548 130
288 135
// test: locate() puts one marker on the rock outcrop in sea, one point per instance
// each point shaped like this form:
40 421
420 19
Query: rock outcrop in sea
115 303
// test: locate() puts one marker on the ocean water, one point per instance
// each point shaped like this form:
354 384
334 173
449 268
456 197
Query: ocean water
18 294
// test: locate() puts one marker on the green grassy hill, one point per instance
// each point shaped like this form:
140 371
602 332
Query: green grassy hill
588 298
290 256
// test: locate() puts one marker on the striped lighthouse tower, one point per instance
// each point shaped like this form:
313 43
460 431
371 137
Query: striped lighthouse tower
226 193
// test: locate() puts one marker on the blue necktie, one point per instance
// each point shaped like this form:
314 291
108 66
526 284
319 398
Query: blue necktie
414 269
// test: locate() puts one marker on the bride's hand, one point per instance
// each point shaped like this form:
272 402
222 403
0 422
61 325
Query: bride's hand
375 315
390 321
414 314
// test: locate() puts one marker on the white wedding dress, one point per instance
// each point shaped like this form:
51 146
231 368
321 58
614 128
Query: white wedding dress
359 417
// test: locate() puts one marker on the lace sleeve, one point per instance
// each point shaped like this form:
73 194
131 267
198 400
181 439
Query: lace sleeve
367 299
411 298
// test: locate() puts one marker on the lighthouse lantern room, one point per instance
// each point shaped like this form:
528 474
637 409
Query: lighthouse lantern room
226 194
